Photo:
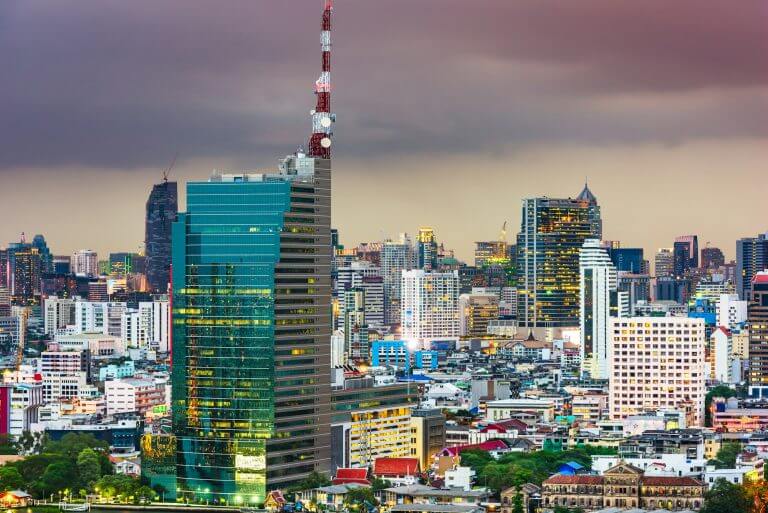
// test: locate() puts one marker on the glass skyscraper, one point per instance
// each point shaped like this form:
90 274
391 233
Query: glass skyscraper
162 205
251 332
551 234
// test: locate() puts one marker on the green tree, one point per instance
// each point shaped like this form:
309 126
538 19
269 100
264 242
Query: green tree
477 460
72 444
7 445
718 391
57 477
726 456
88 467
380 484
517 503
145 493
360 496
10 478
563 509
118 486
726 497
26 442
313 480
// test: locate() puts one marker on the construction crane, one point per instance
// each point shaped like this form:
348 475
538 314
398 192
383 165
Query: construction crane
168 169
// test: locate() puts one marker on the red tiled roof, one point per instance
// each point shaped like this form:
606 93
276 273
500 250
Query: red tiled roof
489 445
351 475
504 426
396 467
670 481
560 479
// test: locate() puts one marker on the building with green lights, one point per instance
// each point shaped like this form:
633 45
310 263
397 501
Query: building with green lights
551 234
251 332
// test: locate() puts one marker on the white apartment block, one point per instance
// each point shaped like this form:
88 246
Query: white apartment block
62 362
98 344
25 402
429 306
85 262
147 326
56 387
599 301
58 313
657 363
131 395
99 317
731 311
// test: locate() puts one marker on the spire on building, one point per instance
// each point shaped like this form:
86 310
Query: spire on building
586 195
322 119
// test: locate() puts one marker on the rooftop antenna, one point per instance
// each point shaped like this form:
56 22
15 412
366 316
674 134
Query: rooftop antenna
168 170
322 119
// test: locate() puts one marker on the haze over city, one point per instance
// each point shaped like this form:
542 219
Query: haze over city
449 112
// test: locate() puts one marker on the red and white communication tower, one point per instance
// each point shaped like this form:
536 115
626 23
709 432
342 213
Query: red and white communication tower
322 119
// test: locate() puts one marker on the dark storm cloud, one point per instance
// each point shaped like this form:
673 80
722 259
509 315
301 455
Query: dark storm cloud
123 84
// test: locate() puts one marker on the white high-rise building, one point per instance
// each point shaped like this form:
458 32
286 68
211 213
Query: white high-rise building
58 313
731 311
657 363
99 317
599 300
85 262
147 326
396 257
429 306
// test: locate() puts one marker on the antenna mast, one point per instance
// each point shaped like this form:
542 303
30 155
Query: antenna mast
322 119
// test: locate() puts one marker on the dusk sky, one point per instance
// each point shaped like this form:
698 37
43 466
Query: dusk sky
449 112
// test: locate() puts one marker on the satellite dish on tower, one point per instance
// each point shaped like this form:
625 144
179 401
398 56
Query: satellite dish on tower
325 122
325 142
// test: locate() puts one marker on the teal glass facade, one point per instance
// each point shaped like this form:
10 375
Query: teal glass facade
251 333
225 250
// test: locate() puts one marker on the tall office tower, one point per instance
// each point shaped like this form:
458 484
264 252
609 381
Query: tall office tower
12 336
373 287
162 206
686 253
551 235
671 288
751 257
351 275
664 263
628 259
426 250
147 326
493 251
757 320
430 307
5 302
475 313
600 300
61 264
85 262
712 258
251 330
657 363
396 257
636 286
24 272
46 258
4 279
354 324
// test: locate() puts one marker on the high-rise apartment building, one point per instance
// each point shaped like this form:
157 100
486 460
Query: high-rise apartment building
686 254
162 206
24 264
487 252
85 262
426 250
548 245
628 260
476 311
600 300
664 263
657 363
396 257
757 319
58 313
731 312
251 331
46 258
712 258
751 258
354 325
430 306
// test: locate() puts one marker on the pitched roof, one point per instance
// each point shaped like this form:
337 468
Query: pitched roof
505 426
489 445
351 475
670 481
396 466
560 479
586 195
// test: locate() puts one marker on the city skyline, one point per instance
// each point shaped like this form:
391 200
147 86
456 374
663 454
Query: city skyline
521 113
